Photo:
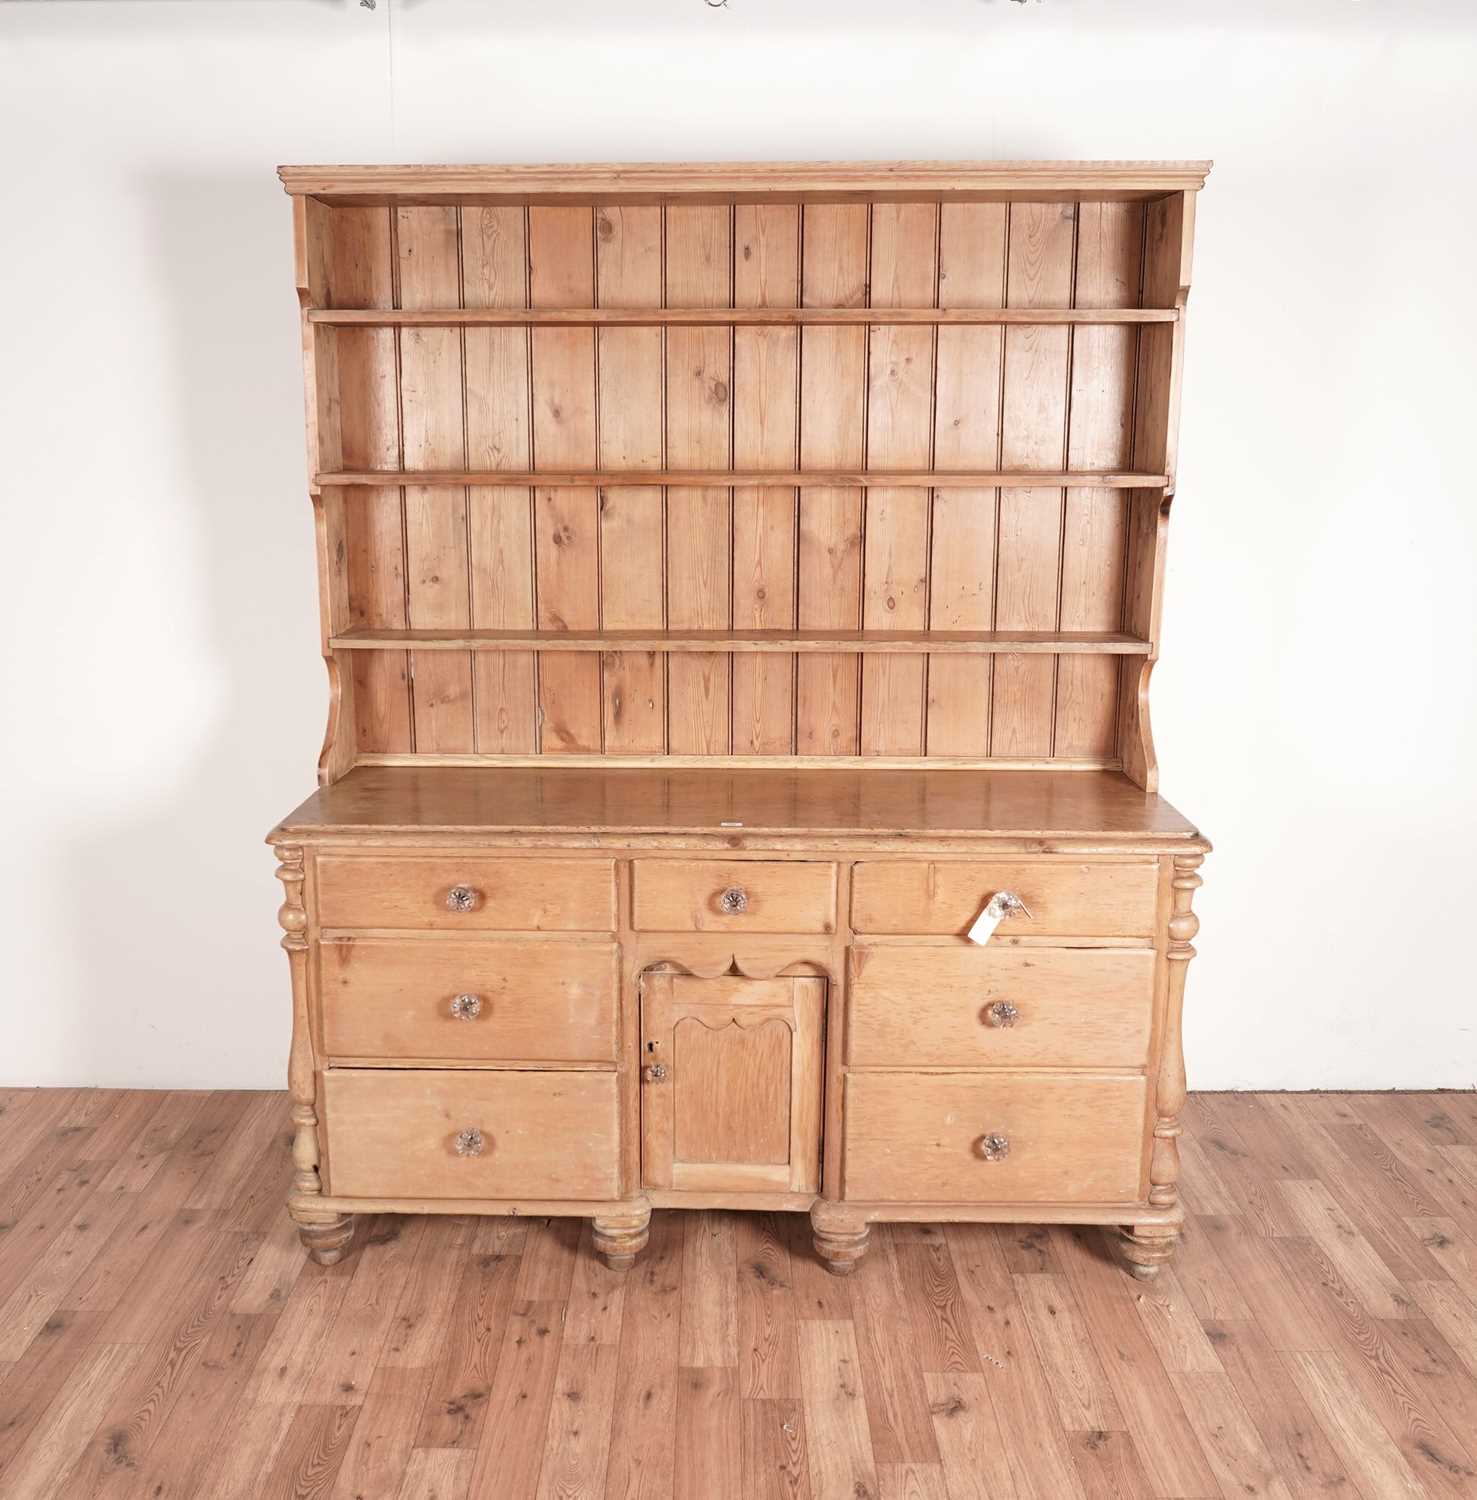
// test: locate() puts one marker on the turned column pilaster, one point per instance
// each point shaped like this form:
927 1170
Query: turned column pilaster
1164 1161
1147 1247
323 1232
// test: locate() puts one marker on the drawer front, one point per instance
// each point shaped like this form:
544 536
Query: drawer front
921 1138
1000 1007
702 895
1064 898
478 1002
468 894
393 1134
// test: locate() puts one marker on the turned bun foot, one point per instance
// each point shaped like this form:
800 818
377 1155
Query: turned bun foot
1147 1247
840 1237
620 1237
327 1241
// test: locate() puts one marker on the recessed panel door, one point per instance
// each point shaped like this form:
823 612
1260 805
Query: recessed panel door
731 1083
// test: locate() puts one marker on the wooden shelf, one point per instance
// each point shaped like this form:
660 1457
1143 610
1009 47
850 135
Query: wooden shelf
749 182
624 441
661 317
934 479
903 642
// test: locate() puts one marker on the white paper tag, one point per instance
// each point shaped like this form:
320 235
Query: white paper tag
992 913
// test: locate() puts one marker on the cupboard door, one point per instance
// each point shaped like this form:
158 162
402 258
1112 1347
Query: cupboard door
731 1083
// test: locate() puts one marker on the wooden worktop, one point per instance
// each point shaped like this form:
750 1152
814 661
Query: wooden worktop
1006 804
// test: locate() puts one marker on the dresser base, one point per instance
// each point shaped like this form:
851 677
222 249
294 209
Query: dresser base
616 992
841 1232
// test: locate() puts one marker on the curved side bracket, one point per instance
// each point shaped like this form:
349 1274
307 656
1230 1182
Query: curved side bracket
334 759
1143 589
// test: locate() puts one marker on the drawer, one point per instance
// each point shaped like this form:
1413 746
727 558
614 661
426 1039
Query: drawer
1000 1007
1065 898
702 895
475 1002
394 1133
531 895
920 1138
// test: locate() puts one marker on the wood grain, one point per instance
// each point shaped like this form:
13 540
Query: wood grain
566 529
630 392
896 523
1093 806
699 408
450 1372
833 272
814 475
540 1134
766 367
1034 414
708 408
360 274
972 256
1069 898
434 436
1095 521
929 1007
913 643
658 181
915 1137
385 999
494 245
737 317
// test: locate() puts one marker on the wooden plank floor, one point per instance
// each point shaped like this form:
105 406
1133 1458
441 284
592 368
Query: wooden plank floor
162 1335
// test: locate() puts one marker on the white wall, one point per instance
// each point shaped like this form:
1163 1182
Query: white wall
162 697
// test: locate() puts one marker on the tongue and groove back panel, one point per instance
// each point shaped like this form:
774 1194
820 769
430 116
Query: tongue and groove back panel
452 559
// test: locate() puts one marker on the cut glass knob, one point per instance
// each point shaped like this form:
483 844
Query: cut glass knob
466 1007
461 898
734 900
1006 904
656 1072
1001 1013
468 1142
994 1147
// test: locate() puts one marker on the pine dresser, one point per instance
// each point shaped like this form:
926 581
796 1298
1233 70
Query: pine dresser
739 588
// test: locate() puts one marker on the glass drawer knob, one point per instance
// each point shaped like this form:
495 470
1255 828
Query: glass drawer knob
468 1142
466 1007
461 898
1001 1013
656 1072
994 1147
1006 904
734 900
